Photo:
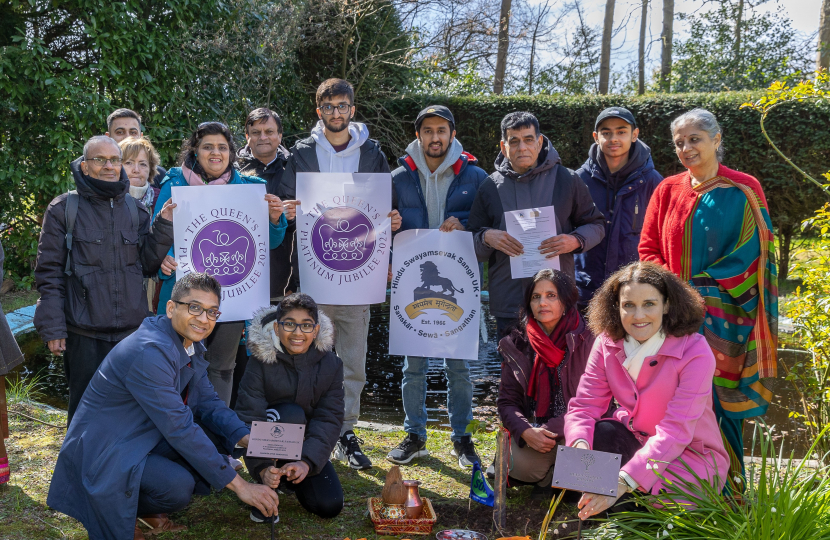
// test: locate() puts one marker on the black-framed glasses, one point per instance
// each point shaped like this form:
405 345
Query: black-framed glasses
328 108
290 326
101 161
196 310
206 124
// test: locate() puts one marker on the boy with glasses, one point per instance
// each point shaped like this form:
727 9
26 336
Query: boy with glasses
95 248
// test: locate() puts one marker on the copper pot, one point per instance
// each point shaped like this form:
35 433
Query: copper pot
414 505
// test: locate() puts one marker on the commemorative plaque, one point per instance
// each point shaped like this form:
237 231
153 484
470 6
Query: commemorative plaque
586 470
274 440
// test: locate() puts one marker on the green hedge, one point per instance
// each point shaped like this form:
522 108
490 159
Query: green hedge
800 131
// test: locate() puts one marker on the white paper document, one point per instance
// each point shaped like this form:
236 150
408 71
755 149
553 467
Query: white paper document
530 227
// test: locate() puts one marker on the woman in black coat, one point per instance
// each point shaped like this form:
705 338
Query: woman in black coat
294 377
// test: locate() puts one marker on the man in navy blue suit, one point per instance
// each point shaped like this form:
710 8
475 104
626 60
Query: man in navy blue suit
150 430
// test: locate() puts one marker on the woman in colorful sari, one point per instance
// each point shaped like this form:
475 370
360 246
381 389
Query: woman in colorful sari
710 225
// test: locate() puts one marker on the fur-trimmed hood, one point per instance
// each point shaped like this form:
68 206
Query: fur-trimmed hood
265 344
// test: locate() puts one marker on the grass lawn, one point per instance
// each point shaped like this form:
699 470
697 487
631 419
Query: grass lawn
33 450
18 299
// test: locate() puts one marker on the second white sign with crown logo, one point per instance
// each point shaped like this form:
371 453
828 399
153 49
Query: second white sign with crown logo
344 236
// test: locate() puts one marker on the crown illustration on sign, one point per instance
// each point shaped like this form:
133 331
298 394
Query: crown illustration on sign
341 243
224 257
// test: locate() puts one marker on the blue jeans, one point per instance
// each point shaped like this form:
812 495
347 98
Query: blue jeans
459 395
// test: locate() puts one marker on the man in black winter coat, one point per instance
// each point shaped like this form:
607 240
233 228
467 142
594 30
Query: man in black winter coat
265 156
93 296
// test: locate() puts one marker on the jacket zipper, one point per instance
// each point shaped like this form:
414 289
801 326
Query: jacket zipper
637 212
114 276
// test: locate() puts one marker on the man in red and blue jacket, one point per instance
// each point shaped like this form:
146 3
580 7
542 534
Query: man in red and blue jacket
435 187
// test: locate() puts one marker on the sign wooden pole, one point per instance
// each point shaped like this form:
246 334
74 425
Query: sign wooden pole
500 489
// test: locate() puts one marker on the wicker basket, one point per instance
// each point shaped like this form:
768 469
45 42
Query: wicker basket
422 525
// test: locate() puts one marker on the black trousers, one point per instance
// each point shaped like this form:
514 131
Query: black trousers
321 494
168 481
81 359
612 436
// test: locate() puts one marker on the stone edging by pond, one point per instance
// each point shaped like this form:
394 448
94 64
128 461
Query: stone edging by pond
21 320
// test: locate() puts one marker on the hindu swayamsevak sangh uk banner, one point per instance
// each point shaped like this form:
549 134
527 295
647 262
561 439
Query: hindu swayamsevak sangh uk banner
436 295
223 231
344 236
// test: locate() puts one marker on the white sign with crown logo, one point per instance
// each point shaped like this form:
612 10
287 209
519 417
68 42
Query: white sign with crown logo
344 236
224 231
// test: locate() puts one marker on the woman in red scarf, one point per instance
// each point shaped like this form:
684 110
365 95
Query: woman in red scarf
544 358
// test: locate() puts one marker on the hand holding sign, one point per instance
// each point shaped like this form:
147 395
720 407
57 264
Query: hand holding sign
271 477
592 472
275 208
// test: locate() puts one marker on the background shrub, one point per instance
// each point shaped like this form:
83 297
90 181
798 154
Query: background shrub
797 129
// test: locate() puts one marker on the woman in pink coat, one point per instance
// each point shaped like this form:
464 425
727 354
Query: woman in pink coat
650 358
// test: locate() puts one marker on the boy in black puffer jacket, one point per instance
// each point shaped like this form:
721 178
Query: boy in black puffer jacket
294 377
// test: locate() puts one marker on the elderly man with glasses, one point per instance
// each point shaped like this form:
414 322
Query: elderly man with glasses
96 246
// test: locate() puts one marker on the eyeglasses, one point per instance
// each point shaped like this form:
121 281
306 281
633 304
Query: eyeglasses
328 108
206 124
196 310
100 161
290 326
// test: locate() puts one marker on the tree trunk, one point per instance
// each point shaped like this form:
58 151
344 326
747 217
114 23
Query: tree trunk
641 51
504 42
823 56
605 51
532 54
736 46
666 37
785 239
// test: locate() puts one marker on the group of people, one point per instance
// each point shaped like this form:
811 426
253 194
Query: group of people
655 339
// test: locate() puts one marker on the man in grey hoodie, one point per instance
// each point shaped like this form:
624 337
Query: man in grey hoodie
529 174
339 145
435 188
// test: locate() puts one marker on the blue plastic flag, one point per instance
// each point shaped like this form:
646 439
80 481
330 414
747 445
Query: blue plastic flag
480 490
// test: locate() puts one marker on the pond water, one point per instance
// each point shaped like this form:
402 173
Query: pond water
381 399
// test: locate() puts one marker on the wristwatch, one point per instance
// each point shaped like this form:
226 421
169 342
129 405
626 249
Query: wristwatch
627 481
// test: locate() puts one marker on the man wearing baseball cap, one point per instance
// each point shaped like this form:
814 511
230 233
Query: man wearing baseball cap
435 186
620 175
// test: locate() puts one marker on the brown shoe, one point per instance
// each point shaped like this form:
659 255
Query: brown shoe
138 534
160 523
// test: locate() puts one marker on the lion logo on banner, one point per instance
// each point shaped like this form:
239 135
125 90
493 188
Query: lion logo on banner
426 297
430 277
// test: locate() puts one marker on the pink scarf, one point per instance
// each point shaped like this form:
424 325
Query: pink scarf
194 179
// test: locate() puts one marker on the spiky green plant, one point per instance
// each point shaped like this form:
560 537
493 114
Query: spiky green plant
784 499
24 389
